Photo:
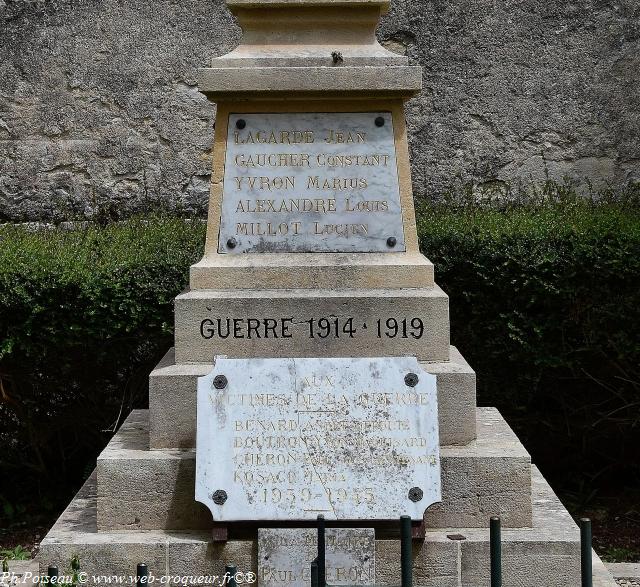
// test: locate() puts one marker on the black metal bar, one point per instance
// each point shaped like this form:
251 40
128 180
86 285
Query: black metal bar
314 573
322 549
142 575
496 552
586 560
52 575
230 572
405 551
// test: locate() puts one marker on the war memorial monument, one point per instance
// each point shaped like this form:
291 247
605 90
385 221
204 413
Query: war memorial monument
312 372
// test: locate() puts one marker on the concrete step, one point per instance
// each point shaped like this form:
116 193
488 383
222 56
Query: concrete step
145 489
284 323
545 555
172 401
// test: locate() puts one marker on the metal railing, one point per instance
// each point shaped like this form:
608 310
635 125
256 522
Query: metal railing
318 566
495 553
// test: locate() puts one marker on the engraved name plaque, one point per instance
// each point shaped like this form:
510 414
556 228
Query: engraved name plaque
288 439
311 182
285 556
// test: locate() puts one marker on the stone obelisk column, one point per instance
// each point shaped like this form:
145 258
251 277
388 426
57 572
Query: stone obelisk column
311 213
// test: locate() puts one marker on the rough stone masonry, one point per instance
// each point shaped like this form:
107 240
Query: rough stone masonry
100 115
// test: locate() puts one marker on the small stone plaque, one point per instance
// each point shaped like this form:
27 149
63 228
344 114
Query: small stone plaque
285 556
288 439
311 182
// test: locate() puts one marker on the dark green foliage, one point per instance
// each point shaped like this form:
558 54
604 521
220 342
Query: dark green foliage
84 315
545 304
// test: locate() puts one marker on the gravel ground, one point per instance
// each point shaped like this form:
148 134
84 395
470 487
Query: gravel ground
628 583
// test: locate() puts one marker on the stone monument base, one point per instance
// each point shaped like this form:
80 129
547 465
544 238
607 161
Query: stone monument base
109 523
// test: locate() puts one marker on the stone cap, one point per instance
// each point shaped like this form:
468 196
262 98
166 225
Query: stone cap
309 47
307 82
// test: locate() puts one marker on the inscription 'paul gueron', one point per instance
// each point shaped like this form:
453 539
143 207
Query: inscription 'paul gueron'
329 185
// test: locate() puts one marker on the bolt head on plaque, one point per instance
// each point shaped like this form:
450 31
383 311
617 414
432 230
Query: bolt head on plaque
219 497
392 241
241 123
379 121
220 382
411 379
416 494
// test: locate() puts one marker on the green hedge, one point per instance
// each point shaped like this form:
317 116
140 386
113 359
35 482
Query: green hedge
545 304
84 316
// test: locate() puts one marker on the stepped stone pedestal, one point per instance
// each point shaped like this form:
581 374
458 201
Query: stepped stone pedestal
329 271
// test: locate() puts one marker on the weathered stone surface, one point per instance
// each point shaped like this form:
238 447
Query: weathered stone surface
21 572
488 477
143 489
311 270
288 439
285 556
629 571
227 82
172 401
99 109
284 328
469 477
456 399
438 561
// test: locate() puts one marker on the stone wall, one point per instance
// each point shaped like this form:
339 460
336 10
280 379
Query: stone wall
100 114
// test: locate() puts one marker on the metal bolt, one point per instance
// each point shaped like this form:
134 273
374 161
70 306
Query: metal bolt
391 242
219 496
416 494
379 121
411 379
241 123
231 243
220 382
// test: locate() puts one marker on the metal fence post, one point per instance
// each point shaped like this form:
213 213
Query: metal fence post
496 552
314 573
142 575
586 560
230 571
52 575
322 548
405 551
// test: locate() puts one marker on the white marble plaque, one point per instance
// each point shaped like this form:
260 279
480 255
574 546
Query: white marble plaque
288 439
285 556
311 182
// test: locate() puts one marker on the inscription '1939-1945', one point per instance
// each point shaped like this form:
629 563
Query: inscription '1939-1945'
320 328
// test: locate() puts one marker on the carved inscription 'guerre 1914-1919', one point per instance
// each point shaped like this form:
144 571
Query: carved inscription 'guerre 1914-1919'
289 439
311 182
